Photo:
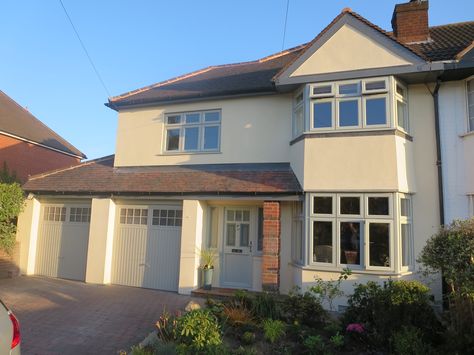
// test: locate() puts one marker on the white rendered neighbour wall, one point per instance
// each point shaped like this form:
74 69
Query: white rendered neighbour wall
27 235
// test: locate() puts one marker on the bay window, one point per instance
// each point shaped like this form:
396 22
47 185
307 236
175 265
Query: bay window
298 114
193 131
406 232
352 230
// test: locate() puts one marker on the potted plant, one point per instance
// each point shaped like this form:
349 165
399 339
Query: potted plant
208 257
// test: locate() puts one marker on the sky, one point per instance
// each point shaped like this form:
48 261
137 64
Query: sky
141 42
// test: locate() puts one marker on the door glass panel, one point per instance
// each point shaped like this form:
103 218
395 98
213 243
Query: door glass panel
348 113
244 235
322 205
350 205
350 243
379 244
246 216
378 206
260 230
238 215
322 242
230 215
230 237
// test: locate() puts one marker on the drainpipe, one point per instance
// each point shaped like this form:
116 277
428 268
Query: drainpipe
435 95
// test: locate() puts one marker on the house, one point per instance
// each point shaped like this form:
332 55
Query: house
290 167
29 147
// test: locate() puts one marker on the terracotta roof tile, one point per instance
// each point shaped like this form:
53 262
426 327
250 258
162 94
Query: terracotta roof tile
99 176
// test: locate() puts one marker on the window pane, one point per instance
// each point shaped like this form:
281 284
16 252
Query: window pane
299 99
211 137
378 206
174 119
400 91
375 85
348 113
230 215
230 237
405 207
212 116
375 111
321 90
172 142
322 242
192 117
406 244
191 138
322 112
244 235
322 205
402 115
379 244
350 243
350 205
246 216
349 89
238 216
298 127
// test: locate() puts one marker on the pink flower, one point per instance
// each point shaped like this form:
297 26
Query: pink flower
355 327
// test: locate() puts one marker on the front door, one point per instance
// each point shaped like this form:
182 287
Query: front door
239 238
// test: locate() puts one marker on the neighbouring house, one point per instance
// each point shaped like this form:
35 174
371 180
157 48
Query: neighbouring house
28 146
290 167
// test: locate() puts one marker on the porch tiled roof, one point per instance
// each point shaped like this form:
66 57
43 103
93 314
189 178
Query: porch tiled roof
100 176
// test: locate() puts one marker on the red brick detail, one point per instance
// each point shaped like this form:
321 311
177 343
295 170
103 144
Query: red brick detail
271 246
410 22
29 159
9 263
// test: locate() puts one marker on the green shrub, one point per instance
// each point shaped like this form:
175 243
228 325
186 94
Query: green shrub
328 291
409 340
11 204
314 344
198 329
384 310
337 340
248 338
265 306
273 330
304 309
138 350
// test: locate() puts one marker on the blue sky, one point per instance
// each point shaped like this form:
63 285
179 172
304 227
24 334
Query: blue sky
137 43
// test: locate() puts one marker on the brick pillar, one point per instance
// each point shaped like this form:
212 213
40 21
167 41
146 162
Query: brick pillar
271 246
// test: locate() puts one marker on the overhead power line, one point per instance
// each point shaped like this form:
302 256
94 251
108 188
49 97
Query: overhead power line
284 27
85 49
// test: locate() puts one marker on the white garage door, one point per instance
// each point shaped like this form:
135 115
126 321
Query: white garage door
147 247
63 241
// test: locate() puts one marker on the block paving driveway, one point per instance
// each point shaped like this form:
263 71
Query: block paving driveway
68 317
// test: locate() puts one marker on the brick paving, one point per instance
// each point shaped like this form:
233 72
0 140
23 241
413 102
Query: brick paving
68 317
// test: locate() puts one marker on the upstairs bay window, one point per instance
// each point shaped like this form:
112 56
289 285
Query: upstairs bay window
193 131
298 114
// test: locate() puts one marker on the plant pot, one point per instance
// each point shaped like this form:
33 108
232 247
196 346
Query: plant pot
207 278
351 256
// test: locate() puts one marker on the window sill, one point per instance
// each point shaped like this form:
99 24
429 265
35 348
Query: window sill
189 153
352 133
353 271
468 134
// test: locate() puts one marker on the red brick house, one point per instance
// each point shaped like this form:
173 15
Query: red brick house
28 146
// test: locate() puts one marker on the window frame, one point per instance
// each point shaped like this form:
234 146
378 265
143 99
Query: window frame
367 215
359 112
408 220
298 105
396 98
469 129
368 222
325 95
376 91
333 241
333 114
387 110
182 126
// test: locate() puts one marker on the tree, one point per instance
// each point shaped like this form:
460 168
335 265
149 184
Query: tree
6 176
11 204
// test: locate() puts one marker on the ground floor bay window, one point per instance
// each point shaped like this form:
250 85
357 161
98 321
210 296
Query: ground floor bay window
361 231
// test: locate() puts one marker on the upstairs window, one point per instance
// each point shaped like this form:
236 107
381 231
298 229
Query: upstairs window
193 131
401 107
350 105
298 114
470 103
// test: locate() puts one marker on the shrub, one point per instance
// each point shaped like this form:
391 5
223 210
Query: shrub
451 252
273 329
265 306
166 327
328 291
381 311
198 329
337 340
305 309
248 338
314 344
237 314
408 340
11 204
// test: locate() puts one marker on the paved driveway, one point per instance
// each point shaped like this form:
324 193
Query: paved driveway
69 317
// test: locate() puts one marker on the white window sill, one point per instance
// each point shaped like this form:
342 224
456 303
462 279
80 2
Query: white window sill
353 271
468 134
190 153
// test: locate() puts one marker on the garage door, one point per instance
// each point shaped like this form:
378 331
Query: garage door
146 248
63 241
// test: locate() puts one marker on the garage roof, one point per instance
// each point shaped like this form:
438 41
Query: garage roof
100 176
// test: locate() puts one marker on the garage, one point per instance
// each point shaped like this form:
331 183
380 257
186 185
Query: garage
63 239
146 248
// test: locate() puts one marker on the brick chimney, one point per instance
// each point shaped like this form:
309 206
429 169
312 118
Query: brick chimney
410 21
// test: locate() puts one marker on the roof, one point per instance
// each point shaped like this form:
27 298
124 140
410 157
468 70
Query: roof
257 76
99 176
17 121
